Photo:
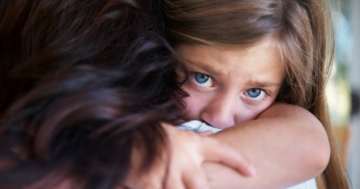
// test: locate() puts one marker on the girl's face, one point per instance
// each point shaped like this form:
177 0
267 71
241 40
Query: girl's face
230 86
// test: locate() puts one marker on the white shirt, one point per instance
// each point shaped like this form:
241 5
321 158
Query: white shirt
199 126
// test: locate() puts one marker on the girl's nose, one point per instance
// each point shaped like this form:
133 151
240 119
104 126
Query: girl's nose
220 112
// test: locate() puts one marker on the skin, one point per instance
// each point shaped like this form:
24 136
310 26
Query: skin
218 96
188 158
286 144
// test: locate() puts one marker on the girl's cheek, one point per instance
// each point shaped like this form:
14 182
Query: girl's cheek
186 87
193 107
189 111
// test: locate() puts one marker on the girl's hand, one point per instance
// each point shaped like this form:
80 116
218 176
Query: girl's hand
188 151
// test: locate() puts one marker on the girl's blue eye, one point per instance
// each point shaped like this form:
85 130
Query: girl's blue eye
201 78
254 92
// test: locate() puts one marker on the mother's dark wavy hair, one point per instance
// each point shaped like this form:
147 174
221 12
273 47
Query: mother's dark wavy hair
81 83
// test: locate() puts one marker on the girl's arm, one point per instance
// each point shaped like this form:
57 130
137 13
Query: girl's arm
183 160
286 144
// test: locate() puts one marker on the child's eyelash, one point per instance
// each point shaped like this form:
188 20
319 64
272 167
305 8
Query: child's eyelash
202 80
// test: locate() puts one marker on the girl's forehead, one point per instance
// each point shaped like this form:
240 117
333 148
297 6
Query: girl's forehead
222 60
271 41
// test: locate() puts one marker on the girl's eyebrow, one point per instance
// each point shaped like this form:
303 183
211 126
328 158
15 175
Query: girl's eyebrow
206 67
264 83
213 71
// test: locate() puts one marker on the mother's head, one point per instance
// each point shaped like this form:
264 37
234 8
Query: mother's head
82 83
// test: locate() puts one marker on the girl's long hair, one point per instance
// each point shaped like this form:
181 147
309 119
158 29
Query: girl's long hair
82 82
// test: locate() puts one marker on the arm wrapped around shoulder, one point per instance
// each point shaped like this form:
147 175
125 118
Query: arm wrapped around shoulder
286 143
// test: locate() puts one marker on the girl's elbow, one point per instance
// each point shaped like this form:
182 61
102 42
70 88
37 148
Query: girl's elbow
320 153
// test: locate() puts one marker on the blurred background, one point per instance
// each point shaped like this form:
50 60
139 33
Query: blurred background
343 89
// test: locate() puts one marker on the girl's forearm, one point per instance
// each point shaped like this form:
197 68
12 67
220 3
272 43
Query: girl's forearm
287 145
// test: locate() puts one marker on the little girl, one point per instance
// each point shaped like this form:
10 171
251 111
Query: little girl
289 44
229 86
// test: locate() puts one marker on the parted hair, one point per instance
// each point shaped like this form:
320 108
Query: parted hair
304 34
82 82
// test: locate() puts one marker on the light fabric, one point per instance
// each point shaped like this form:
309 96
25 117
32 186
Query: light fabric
199 126
310 184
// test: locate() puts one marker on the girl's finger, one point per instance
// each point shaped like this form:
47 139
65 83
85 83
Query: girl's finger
217 151
196 179
174 181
